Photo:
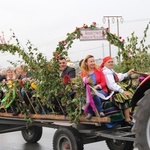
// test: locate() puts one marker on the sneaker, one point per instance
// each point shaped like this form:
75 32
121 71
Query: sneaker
88 117
102 114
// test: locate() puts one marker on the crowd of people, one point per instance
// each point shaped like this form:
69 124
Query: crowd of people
10 74
103 79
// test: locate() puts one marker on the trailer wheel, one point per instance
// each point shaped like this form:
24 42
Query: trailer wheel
142 123
32 134
67 139
119 145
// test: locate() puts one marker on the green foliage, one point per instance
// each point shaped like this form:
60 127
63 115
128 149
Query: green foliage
47 72
133 53
118 67
11 87
115 40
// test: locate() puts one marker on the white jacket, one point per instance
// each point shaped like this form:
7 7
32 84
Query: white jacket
110 81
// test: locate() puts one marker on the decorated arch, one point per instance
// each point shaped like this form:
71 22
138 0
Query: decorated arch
47 73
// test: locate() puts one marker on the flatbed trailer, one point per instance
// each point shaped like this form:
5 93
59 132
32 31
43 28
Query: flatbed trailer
69 136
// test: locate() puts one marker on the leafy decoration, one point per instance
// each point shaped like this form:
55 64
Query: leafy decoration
49 85
11 88
134 53
115 40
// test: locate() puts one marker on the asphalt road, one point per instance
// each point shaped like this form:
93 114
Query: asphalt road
15 141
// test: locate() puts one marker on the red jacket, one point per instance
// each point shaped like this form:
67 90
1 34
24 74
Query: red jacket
100 79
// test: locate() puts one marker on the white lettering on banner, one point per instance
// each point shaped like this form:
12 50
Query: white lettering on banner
93 34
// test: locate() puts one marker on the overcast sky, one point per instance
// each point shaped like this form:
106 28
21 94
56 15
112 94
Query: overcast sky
46 22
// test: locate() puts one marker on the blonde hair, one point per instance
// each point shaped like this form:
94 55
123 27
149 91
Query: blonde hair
3 72
84 67
16 71
9 69
24 67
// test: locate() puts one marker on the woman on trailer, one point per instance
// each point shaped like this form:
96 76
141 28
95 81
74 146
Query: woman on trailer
90 70
112 79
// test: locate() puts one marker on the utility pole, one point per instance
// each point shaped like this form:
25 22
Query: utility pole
113 19
103 50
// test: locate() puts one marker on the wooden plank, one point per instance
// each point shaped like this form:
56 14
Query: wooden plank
58 117
95 119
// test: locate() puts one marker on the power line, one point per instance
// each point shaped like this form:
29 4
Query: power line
47 43
137 20
113 18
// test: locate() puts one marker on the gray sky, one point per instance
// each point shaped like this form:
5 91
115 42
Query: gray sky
46 22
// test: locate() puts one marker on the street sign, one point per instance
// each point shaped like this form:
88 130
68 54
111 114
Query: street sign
89 34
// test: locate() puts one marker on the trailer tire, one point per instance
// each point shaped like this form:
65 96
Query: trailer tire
32 134
142 123
119 145
67 138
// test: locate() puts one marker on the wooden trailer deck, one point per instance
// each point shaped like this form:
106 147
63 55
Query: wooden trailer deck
61 118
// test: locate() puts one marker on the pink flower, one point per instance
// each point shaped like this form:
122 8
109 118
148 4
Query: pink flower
64 43
120 37
129 51
123 40
141 78
94 23
57 57
107 29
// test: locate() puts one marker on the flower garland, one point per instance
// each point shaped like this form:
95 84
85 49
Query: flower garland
49 85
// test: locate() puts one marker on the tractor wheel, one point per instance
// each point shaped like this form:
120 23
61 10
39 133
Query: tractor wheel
142 123
119 145
32 134
67 139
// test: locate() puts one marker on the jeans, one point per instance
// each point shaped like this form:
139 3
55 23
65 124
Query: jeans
24 95
97 102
